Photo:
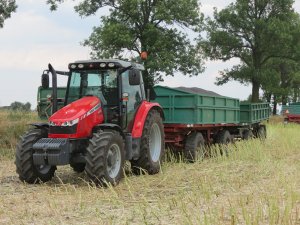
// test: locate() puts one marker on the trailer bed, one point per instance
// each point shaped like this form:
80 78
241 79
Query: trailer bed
183 107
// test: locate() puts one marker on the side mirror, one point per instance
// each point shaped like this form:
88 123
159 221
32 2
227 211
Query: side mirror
45 79
134 77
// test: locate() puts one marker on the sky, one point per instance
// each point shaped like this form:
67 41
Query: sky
34 36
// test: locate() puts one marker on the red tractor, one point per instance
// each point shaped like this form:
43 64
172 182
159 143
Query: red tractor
106 120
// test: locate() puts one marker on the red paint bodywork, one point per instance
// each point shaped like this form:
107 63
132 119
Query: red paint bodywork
293 118
140 117
79 110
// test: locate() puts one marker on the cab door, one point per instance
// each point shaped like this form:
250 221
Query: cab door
132 98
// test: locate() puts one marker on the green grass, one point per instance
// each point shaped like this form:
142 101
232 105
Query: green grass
258 183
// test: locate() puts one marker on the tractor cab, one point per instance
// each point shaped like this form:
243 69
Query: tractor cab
106 119
117 84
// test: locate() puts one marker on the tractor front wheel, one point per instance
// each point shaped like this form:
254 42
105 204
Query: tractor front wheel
105 158
28 172
152 145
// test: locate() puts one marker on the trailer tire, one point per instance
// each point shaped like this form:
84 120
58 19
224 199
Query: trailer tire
194 147
28 172
78 167
261 132
223 138
247 134
105 158
152 145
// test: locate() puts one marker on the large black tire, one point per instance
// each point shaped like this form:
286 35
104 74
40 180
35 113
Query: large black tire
261 132
152 146
194 147
28 172
247 134
105 158
223 138
78 167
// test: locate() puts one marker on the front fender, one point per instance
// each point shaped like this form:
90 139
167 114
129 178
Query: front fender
141 115
40 125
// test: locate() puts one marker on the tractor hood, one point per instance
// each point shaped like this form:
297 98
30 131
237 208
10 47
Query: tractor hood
75 111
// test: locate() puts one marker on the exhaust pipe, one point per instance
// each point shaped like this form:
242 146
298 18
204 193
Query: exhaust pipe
54 88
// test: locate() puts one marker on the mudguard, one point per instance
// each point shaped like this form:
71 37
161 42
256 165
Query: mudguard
141 115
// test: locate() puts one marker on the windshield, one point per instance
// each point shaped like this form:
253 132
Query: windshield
102 84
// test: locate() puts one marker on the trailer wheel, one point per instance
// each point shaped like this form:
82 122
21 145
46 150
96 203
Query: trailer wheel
223 138
152 145
28 172
247 134
105 158
261 132
78 167
194 147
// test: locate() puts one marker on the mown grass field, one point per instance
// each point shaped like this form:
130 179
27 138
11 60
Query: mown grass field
258 183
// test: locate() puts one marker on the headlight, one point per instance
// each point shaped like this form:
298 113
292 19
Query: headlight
51 123
70 123
102 65
111 65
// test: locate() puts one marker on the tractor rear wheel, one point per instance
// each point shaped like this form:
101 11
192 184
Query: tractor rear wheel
105 158
27 171
194 147
152 145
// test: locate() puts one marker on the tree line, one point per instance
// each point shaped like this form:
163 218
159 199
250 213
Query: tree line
18 106
263 34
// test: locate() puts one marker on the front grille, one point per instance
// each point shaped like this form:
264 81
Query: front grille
63 130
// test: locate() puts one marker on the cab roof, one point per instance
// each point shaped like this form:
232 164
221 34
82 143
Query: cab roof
117 62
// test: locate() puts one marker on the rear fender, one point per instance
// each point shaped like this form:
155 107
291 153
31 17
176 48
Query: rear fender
141 115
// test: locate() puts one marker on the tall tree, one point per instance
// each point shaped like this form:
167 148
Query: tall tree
6 8
155 26
284 83
255 31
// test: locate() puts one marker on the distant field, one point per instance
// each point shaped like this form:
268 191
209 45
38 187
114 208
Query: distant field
258 183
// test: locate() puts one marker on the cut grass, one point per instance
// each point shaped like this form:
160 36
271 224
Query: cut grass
258 183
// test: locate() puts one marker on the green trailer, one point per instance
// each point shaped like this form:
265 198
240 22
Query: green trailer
189 107
251 113
184 107
195 117
291 112
293 108
44 101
